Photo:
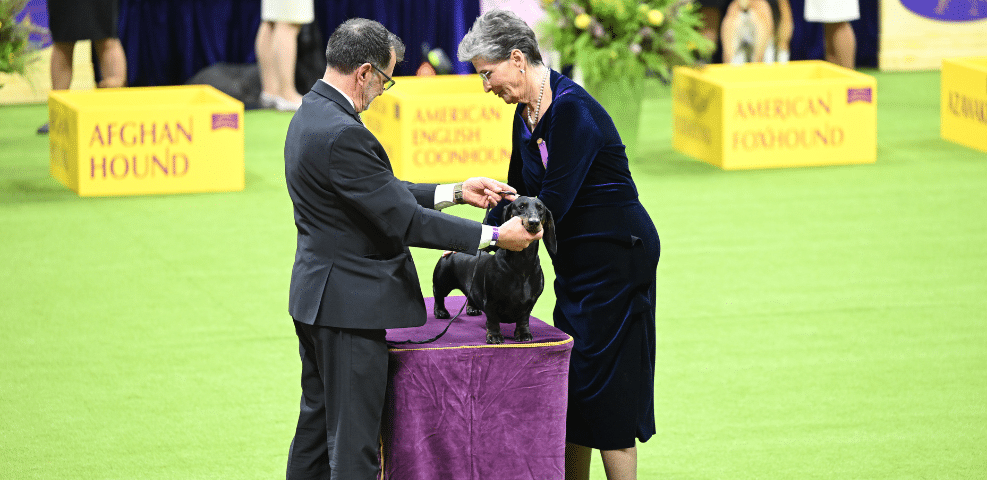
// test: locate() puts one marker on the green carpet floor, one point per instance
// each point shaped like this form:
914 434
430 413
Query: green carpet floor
815 323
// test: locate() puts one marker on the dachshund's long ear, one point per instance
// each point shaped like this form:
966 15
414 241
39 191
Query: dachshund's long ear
508 212
548 224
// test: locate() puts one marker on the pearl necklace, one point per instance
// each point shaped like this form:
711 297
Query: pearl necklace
541 92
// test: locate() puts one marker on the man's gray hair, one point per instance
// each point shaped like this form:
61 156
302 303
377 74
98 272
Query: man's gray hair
495 34
358 41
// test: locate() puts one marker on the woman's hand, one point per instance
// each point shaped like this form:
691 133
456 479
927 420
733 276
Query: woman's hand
485 192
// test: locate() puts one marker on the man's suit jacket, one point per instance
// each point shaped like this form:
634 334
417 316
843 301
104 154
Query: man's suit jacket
355 221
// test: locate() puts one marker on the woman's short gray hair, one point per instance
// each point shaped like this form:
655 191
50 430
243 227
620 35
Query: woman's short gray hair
495 34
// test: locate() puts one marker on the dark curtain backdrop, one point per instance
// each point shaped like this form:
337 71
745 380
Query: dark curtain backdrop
169 41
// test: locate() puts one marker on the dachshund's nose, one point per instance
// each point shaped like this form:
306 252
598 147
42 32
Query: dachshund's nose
534 221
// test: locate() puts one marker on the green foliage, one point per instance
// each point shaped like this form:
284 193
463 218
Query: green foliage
16 49
625 39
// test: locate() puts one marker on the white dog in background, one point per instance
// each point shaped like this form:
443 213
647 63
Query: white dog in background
748 32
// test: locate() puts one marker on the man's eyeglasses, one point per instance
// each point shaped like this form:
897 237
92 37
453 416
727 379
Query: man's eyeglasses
486 76
388 82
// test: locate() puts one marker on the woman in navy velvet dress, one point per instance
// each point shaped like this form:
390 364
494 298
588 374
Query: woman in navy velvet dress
567 152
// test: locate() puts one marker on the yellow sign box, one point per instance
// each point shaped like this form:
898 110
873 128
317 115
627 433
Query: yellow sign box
963 107
442 129
155 140
803 113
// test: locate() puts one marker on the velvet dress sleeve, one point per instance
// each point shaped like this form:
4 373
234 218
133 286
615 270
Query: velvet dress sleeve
573 140
514 175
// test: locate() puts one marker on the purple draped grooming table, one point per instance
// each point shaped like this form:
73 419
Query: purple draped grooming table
460 409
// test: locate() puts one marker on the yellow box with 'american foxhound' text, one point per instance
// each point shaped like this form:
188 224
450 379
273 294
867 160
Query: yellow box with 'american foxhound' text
803 113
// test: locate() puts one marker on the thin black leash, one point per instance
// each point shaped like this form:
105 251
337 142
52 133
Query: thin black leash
444 330
465 303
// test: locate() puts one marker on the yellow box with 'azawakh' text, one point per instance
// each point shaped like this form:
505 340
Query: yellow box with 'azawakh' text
442 129
963 106
153 140
803 113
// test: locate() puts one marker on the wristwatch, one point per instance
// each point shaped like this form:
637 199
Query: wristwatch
457 193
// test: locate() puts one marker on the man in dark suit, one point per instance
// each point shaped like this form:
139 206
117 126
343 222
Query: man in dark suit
353 274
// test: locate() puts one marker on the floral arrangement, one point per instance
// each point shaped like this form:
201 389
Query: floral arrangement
625 39
17 50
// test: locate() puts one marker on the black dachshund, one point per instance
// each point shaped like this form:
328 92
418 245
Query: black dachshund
504 285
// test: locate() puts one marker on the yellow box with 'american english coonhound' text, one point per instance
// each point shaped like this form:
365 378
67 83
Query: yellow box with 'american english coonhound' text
154 140
442 129
963 106
803 113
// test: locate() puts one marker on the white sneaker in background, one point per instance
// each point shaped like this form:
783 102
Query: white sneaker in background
284 105
268 101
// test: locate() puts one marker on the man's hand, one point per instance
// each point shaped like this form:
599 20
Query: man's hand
485 192
513 235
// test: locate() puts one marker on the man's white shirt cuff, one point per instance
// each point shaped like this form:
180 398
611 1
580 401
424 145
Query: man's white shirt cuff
445 196
486 236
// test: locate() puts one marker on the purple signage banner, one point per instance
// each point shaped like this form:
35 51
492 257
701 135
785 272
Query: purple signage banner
36 12
948 10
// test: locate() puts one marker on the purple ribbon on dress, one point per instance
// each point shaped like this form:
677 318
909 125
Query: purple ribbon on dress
544 152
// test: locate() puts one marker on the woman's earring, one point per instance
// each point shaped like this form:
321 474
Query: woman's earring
522 70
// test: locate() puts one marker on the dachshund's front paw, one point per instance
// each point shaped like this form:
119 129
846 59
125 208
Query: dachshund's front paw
495 338
473 311
440 313
522 335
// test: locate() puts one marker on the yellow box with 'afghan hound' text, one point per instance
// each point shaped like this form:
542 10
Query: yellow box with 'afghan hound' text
803 113
154 140
963 106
